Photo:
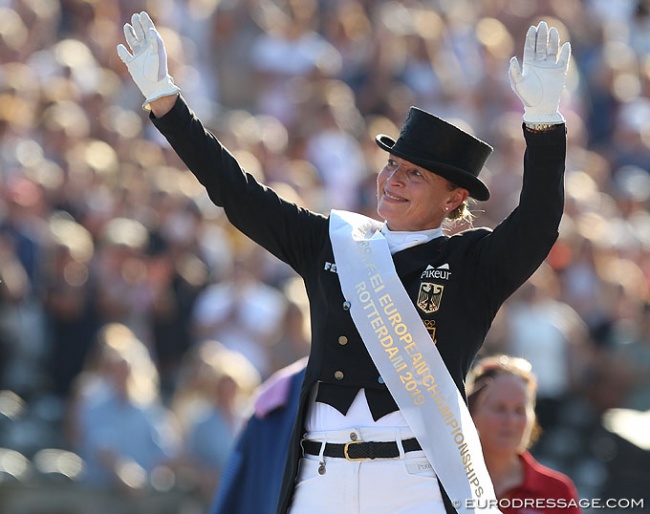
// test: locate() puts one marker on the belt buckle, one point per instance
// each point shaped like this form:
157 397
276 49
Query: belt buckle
346 449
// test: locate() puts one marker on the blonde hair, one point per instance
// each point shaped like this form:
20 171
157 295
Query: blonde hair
461 213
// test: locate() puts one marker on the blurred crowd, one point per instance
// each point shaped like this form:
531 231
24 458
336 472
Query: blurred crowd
136 324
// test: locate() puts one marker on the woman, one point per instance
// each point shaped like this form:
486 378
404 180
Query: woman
378 426
501 396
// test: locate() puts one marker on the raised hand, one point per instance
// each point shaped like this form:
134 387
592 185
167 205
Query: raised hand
147 60
539 84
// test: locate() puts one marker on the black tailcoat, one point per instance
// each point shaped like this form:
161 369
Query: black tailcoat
477 269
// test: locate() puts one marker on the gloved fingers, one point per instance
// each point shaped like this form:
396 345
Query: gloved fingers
553 42
565 56
529 45
541 42
154 41
147 27
131 37
124 54
146 21
514 71
136 22
158 48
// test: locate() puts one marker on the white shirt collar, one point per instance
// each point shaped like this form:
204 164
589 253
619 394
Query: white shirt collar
400 240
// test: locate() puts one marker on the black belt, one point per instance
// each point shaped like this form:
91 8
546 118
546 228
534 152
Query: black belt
357 450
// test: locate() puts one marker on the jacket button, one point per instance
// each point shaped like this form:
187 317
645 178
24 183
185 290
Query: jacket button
380 379
338 375
343 340
346 305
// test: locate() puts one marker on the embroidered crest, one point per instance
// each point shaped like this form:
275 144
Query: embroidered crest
429 297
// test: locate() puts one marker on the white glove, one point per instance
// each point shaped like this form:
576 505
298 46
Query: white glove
542 80
148 62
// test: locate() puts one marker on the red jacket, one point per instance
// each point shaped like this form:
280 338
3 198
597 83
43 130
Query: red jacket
543 491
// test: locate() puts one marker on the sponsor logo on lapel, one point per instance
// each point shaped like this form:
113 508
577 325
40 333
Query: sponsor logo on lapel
429 297
441 272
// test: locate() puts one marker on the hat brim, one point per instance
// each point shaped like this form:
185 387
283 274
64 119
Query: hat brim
476 188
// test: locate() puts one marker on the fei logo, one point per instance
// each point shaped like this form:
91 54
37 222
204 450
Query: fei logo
330 266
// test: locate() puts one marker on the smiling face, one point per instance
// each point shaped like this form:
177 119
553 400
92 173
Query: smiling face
504 415
411 198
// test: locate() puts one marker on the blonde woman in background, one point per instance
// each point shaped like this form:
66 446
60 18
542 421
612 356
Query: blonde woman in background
501 399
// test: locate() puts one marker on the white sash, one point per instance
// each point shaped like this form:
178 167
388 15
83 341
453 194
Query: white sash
409 362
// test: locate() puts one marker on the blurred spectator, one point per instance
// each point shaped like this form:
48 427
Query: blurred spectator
23 226
70 302
242 312
631 353
584 288
632 147
294 341
210 403
117 423
125 294
234 30
14 285
23 244
348 27
288 56
332 147
177 277
550 334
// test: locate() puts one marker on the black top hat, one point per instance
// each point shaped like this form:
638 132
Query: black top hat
442 148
